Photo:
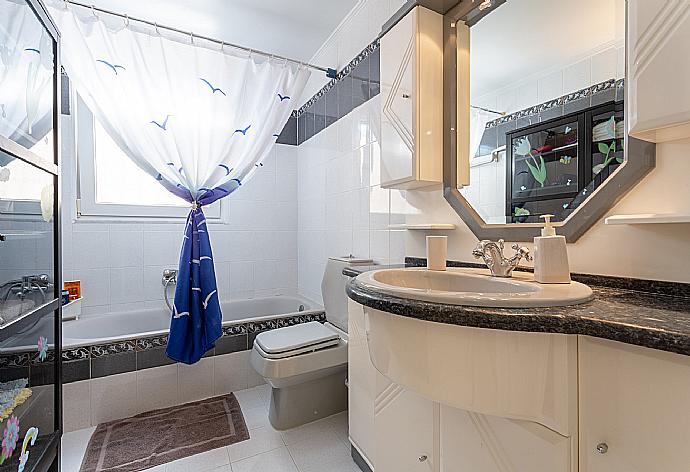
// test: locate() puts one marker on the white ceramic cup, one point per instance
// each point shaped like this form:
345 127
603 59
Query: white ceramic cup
436 252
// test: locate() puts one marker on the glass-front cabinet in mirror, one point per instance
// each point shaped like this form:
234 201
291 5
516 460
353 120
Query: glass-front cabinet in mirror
30 282
538 99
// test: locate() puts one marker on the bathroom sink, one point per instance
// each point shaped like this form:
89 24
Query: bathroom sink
473 287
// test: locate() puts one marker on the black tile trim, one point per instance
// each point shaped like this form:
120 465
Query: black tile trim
559 102
129 355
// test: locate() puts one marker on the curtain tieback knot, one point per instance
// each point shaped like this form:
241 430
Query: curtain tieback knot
196 205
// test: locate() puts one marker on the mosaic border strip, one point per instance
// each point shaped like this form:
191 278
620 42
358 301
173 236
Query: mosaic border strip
371 48
81 359
558 102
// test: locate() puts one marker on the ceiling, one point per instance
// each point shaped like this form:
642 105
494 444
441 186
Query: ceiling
522 38
294 29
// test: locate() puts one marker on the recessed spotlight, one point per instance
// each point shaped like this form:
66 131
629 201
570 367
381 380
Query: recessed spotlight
486 4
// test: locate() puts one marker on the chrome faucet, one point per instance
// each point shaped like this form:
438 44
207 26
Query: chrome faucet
492 254
27 285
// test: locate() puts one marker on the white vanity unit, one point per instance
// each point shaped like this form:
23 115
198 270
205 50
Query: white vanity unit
412 101
426 395
658 38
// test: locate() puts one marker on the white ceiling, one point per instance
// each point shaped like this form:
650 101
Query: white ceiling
522 38
294 29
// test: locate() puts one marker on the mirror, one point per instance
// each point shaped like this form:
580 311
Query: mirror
540 97
26 80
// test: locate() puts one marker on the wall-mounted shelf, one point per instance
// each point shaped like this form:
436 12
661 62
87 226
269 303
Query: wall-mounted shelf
427 226
648 218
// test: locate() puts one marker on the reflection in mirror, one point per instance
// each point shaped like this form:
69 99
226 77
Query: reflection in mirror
26 79
546 94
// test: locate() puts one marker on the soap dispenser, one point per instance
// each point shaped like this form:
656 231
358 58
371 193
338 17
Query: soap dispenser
550 256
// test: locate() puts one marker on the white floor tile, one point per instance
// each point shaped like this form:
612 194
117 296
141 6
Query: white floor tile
73 448
206 461
307 432
256 417
253 397
320 452
260 440
278 460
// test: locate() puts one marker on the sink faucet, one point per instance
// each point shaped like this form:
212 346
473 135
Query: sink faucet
492 254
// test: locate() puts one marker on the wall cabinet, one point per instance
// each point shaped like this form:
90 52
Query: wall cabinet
412 101
658 69
634 408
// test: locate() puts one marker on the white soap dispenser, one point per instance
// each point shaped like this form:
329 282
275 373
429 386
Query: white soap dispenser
550 256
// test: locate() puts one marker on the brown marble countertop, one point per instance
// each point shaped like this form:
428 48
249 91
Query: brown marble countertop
645 313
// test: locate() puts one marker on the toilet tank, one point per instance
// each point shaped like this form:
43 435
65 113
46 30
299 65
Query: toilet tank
333 288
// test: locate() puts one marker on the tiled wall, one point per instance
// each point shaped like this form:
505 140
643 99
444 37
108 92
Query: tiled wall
120 263
341 207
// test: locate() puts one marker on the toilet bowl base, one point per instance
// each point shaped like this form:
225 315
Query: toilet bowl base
302 403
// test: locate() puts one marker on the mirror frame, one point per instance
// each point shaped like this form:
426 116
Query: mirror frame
640 155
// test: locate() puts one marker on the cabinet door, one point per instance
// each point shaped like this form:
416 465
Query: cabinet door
658 68
634 408
398 97
362 384
475 442
405 429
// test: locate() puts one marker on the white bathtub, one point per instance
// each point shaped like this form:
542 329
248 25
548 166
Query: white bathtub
100 329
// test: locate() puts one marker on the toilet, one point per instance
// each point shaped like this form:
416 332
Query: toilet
306 364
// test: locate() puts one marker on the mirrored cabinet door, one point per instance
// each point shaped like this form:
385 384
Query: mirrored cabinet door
27 65
30 281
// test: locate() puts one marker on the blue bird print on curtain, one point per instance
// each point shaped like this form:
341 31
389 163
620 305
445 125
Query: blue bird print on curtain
163 125
113 67
33 50
242 131
283 97
213 89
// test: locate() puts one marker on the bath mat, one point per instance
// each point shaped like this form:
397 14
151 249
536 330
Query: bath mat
161 436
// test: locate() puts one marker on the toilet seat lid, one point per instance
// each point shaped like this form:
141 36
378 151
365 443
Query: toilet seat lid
291 338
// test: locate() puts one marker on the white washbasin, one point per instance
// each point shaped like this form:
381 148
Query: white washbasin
473 287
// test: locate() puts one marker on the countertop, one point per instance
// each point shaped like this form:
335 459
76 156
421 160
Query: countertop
645 313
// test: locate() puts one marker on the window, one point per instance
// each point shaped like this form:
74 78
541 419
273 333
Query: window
111 185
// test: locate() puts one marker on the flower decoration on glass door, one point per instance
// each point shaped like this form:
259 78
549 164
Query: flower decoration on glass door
10 436
42 348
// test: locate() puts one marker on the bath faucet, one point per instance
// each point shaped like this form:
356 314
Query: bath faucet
492 254
27 285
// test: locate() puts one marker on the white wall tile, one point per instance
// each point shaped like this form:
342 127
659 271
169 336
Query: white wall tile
230 372
76 405
195 382
127 285
90 249
577 76
126 247
113 397
157 388
604 65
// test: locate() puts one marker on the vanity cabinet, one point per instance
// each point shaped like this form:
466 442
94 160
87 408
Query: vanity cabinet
658 69
412 101
634 408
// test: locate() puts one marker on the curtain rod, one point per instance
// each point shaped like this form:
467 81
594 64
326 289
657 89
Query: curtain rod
502 113
330 73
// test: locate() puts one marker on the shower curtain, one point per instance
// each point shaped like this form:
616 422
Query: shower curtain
198 117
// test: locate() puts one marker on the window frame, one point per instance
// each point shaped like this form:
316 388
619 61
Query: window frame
89 208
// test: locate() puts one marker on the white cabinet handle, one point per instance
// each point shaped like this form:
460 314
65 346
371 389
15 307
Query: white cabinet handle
602 448
422 458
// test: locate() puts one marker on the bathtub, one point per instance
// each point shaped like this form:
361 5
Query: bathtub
113 327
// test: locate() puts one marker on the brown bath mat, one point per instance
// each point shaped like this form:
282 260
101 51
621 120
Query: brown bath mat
161 436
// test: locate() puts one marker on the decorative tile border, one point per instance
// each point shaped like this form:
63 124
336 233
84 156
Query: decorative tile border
143 353
559 102
341 74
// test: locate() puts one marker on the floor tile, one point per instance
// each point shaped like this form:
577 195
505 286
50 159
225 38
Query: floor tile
206 461
73 448
307 432
253 397
319 453
260 440
256 417
278 460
